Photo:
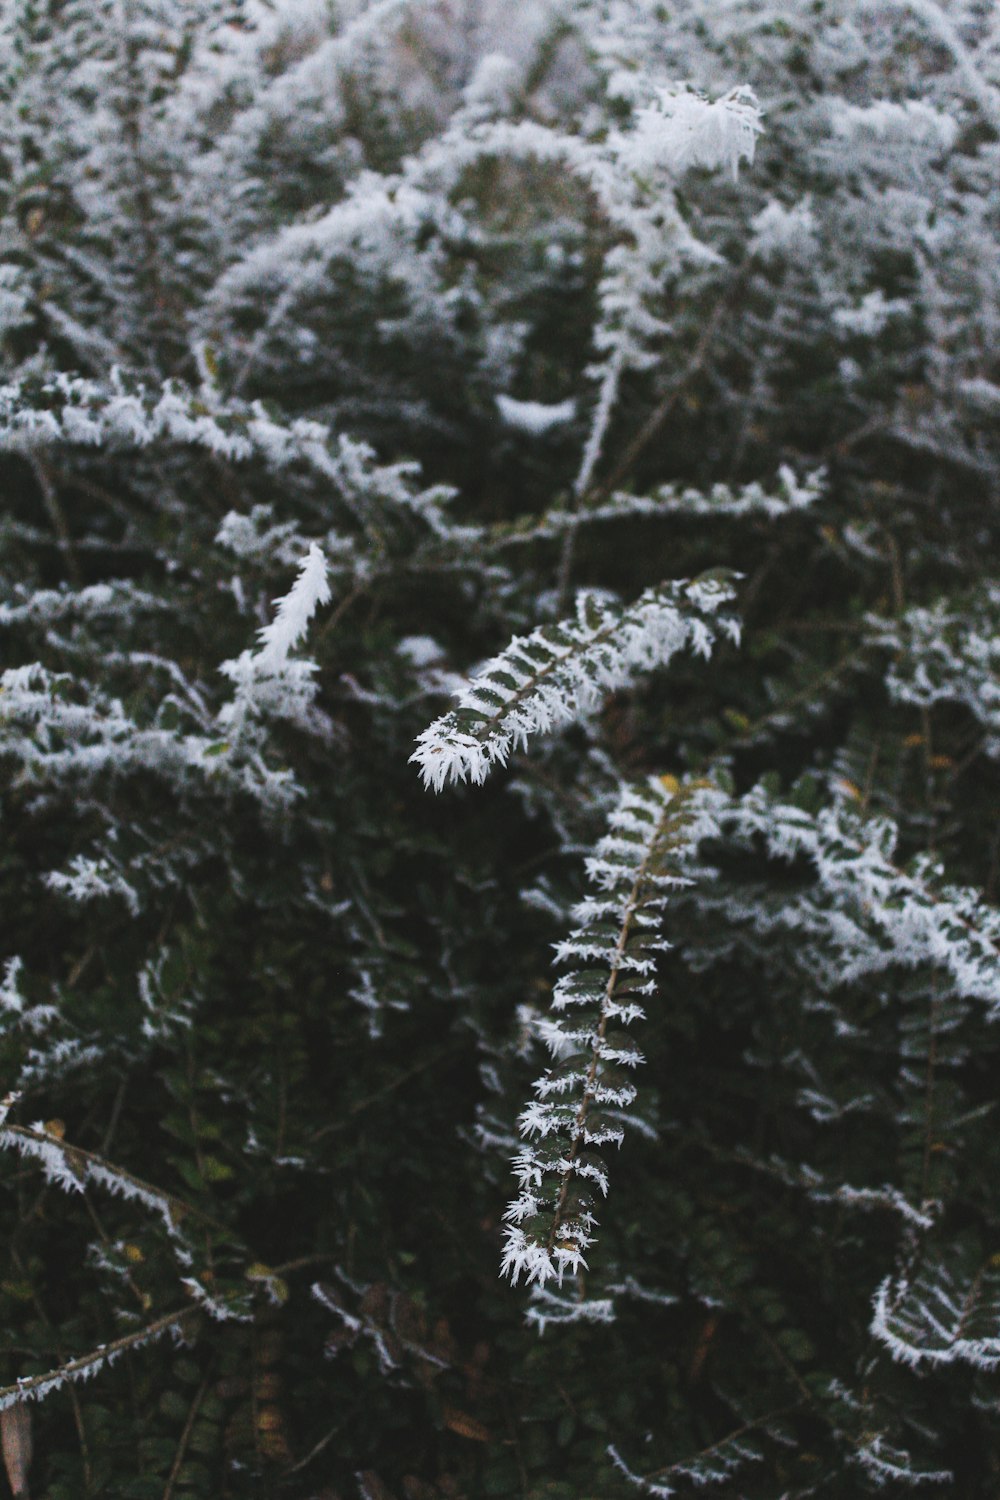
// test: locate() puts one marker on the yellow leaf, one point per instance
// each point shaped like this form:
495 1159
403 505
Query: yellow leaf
214 1170
56 1128
464 1425
276 1285
671 783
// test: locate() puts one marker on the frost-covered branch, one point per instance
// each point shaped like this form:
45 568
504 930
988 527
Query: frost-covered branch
267 682
788 497
86 1366
940 1316
632 872
560 672
871 915
947 653
71 1168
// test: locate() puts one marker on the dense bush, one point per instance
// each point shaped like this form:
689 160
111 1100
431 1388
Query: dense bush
651 356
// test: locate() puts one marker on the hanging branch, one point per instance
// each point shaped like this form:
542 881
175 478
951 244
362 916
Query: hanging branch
633 869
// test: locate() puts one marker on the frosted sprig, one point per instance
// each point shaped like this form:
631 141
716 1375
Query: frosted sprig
789 496
86 1366
267 682
682 129
558 673
612 950
948 652
941 1317
72 1169
122 414
873 915
716 1465
294 611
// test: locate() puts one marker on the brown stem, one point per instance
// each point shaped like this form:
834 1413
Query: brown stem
58 519
185 1438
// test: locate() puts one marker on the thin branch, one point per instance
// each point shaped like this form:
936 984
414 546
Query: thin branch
56 515
184 1439
35 1387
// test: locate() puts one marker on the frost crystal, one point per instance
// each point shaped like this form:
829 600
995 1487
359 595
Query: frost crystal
534 417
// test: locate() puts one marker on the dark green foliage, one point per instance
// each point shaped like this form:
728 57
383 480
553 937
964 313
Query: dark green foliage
271 1010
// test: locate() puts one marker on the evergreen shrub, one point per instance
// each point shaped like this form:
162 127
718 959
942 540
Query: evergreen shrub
480 482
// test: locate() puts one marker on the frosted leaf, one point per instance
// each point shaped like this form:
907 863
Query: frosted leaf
91 879
981 393
420 650
911 122
11 1000
683 129
871 915
257 538
295 610
947 652
885 1463
941 1317
871 316
779 231
547 1306
533 417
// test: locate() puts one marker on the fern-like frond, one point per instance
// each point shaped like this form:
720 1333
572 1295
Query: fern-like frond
559 672
941 1316
613 950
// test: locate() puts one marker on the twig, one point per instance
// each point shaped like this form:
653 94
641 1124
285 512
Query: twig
659 417
730 1437
590 493
184 1439
34 1385
389 1088
57 517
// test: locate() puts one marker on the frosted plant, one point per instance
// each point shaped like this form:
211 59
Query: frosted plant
87 1366
535 417
717 1465
477 304
933 1317
872 915
632 872
780 232
948 653
725 500
680 129
911 123
785 498
266 681
560 672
